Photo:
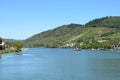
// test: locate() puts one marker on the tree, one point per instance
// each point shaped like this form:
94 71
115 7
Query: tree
106 45
115 43
17 45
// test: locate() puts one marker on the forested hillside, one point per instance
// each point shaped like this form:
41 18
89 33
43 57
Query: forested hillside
55 37
101 28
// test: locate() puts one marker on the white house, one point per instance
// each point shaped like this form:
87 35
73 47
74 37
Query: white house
100 41
69 45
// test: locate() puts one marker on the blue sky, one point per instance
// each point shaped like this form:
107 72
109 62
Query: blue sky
20 19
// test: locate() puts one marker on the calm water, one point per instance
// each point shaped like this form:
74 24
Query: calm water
61 64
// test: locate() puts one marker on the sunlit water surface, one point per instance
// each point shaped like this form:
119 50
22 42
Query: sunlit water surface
61 64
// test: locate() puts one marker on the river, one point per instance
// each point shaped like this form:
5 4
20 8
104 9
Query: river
61 64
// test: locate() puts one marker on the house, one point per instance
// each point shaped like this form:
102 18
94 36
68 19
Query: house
69 45
101 41
2 44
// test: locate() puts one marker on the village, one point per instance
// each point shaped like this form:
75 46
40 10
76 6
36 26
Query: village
100 44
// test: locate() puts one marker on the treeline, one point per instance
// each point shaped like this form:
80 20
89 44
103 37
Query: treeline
96 22
108 21
14 45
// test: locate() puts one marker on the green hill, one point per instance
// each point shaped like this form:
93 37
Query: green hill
55 37
111 22
106 27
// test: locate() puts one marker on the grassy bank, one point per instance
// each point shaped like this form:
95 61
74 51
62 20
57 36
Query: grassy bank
7 51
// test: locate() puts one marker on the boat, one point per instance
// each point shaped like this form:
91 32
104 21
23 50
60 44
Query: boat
77 49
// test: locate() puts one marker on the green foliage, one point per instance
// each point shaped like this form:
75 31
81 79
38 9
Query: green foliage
111 22
6 51
97 45
96 22
17 45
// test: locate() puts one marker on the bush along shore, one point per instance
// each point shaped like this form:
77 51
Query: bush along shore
7 51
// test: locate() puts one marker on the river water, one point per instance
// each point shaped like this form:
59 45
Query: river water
61 64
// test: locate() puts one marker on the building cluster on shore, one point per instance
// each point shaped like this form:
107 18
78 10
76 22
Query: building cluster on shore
8 47
100 44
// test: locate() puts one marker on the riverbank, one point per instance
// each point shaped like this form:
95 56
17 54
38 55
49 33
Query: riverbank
7 51
12 50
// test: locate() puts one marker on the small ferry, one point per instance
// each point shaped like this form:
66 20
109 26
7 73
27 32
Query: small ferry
77 49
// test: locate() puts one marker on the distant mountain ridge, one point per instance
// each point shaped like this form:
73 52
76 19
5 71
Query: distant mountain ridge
12 40
105 22
105 27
